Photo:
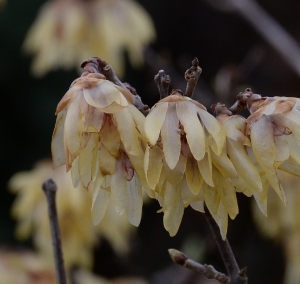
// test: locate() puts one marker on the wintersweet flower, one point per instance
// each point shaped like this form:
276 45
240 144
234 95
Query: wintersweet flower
74 207
98 135
273 128
183 140
68 31
282 224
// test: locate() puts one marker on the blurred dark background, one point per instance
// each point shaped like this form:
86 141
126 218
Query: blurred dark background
233 56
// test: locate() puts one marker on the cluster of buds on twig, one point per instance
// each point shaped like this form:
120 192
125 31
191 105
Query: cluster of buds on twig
179 153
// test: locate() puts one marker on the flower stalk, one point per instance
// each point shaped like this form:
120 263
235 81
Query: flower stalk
50 189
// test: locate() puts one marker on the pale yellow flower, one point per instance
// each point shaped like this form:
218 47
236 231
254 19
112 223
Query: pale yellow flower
283 223
180 161
273 128
68 31
98 135
74 211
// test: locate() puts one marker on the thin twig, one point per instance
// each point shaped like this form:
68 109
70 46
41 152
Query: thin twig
50 189
266 26
206 270
163 82
236 275
191 76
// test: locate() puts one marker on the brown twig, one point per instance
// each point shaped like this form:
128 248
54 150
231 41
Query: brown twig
191 76
206 270
236 275
50 189
163 82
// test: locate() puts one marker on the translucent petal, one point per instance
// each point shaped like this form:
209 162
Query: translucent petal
153 163
173 208
75 173
221 219
170 135
198 206
110 137
205 168
212 198
118 187
107 162
57 143
100 202
93 119
223 164
192 127
139 120
127 130
193 176
154 122
243 164
214 128
174 176
135 201
69 95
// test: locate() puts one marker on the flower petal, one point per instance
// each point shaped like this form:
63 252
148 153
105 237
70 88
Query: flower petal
170 135
100 202
193 176
205 168
154 121
192 127
57 143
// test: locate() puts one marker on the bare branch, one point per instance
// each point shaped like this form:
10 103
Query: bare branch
206 270
236 275
50 189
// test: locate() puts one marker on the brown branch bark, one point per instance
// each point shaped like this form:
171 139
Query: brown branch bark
236 275
50 189
206 270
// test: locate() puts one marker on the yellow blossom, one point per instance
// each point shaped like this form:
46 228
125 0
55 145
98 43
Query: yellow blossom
74 211
185 141
273 128
98 135
283 223
68 31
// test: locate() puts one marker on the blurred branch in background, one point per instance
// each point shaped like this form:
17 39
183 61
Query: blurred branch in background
266 26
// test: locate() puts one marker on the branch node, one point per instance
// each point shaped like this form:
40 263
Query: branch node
163 82
191 76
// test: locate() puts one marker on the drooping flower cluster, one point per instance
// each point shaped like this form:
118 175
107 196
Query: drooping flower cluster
98 135
68 31
180 153
74 207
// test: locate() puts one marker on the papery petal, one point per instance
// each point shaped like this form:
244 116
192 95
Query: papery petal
135 201
282 151
93 119
198 206
75 173
170 135
228 197
214 128
69 95
57 143
192 127
205 168
139 120
223 164
105 97
72 128
173 208
221 219
107 163
154 122
193 176
118 186
174 176
127 130
100 202
87 157
110 137
211 197
243 164
153 163
188 197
